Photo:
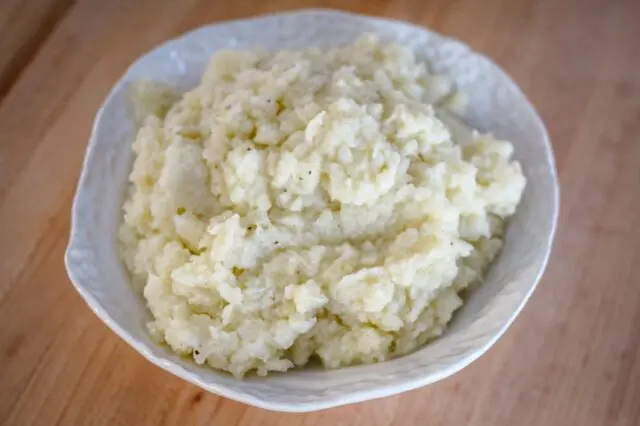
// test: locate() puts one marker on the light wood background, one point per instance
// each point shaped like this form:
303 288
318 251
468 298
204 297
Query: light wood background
571 358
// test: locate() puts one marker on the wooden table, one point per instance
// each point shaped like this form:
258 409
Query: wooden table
571 358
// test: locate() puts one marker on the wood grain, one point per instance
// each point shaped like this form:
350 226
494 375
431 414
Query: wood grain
571 358
23 28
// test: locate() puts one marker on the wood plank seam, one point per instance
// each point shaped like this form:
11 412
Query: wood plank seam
24 56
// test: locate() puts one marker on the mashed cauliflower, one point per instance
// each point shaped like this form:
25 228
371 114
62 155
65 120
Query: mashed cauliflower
309 204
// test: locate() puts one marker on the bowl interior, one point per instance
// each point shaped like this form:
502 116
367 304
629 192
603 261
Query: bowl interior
496 105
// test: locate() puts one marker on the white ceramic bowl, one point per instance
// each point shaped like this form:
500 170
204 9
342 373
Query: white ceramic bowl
496 104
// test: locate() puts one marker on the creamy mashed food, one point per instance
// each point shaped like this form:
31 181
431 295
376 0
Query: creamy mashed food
309 204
